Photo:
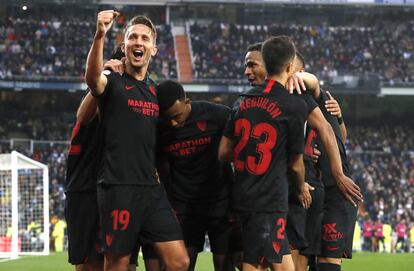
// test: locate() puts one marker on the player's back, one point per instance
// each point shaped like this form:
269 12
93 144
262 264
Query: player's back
268 126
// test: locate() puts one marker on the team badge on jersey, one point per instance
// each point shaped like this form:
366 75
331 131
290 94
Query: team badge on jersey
202 125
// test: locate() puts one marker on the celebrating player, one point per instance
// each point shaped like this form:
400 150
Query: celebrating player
132 205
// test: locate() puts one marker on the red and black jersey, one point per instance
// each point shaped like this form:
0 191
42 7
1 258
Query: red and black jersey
198 182
323 161
266 127
129 113
312 173
81 171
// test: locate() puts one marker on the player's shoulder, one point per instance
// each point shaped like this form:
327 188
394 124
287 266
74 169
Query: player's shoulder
208 106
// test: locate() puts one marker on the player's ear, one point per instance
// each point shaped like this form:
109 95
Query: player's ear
187 100
123 47
154 50
289 67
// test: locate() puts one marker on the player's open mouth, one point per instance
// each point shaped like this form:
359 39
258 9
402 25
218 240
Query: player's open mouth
138 54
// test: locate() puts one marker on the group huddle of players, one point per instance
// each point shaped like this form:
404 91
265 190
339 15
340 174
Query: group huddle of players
266 180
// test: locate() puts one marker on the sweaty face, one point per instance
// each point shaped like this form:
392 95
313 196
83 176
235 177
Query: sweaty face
139 45
177 114
255 70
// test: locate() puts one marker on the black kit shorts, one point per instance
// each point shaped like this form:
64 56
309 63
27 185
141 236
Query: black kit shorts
338 225
264 237
82 218
133 214
303 226
195 228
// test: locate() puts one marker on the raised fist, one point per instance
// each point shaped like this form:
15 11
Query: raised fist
105 21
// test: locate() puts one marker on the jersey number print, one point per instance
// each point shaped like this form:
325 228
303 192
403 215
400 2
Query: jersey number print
264 149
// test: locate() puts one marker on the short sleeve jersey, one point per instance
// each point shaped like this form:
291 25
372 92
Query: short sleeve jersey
198 181
323 162
266 127
129 112
81 170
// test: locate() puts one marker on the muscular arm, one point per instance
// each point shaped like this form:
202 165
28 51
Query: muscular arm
225 152
349 189
94 78
87 110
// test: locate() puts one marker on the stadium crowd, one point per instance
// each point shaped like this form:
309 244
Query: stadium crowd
56 48
328 50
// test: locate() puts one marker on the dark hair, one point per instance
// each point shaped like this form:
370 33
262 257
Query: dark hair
141 19
117 53
301 58
277 52
168 93
255 47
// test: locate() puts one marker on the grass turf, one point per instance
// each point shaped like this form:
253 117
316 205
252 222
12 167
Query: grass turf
361 262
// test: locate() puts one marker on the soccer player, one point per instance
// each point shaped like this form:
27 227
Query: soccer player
198 183
264 138
256 73
379 235
132 205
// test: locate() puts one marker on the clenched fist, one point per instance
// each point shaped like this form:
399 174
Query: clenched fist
105 21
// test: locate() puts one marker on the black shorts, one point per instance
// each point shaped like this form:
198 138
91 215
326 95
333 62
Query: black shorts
148 253
264 238
196 227
236 242
338 225
81 214
132 214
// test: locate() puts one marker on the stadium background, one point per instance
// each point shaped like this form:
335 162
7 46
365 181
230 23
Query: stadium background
362 50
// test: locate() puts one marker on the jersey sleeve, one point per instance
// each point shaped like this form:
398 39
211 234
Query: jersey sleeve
296 126
229 127
110 76
220 114
310 102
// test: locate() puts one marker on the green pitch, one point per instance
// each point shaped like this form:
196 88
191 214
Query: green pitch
361 262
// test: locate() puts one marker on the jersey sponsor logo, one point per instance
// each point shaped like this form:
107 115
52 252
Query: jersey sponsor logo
144 108
128 88
109 238
330 233
276 247
202 125
188 147
261 103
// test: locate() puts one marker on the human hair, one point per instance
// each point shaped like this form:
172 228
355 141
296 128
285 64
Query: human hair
301 58
141 19
168 93
277 52
255 47
117 53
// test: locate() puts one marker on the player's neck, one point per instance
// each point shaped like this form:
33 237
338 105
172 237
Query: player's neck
137 73
281 78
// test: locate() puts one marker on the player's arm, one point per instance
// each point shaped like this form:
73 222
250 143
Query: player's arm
225 152
301 81
87 110
332 106
94 78
348 188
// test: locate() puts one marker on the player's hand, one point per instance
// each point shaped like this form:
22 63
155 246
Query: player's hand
115 65
349 190
305 197
315 155
105 21
295 82
332 106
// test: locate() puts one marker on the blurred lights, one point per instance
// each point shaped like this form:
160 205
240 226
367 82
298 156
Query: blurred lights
24 7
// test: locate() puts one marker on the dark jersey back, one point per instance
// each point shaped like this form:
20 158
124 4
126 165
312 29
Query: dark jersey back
129 113
266 128
198 181
327 178
81 170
